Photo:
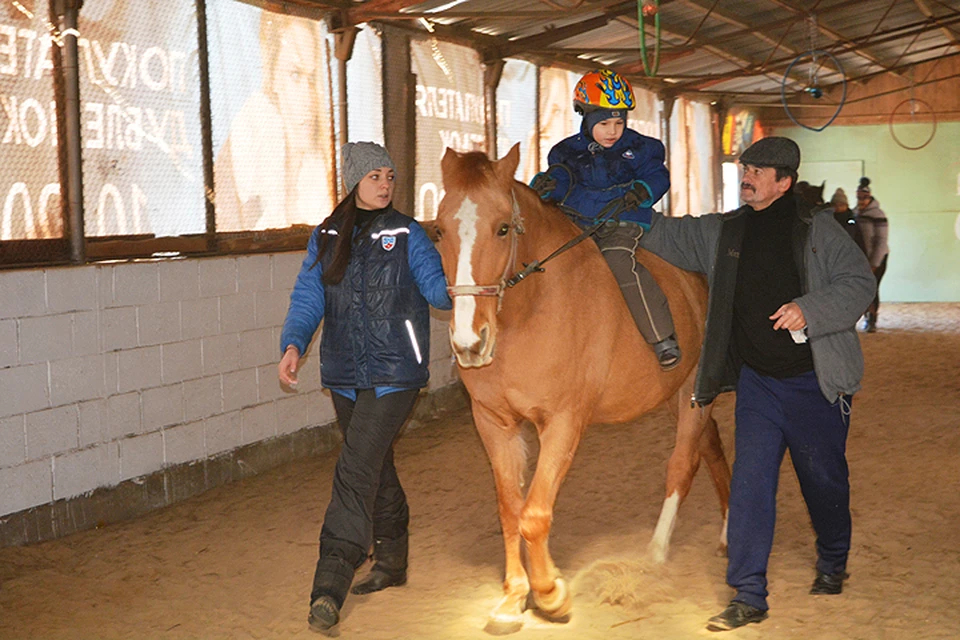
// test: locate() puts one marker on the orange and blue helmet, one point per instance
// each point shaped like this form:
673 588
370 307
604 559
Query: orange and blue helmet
602 89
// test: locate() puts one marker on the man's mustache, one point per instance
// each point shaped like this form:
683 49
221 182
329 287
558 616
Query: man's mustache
745 185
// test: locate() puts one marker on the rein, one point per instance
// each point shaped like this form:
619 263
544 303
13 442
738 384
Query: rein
609 213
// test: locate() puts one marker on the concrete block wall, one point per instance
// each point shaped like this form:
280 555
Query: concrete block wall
112 372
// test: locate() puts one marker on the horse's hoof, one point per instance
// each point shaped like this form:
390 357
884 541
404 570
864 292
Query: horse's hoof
557 604
503 625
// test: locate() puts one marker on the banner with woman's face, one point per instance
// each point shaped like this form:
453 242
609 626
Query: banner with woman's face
272 126
29 179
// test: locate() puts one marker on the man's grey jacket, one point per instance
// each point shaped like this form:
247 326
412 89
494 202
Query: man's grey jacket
837 287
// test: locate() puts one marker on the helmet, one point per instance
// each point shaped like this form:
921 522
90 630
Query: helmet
602 89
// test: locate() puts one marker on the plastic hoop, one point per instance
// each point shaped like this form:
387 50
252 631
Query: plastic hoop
933 132
783 88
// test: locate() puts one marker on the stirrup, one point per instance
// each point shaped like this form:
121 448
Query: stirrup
668 353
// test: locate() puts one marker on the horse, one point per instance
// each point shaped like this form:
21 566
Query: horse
810 195
559 350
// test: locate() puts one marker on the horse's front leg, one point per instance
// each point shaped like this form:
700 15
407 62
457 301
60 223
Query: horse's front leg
559 438
507 452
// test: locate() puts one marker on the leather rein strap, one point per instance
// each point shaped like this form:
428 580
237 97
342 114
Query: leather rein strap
610 213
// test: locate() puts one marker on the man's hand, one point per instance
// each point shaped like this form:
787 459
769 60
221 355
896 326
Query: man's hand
287 369
789 317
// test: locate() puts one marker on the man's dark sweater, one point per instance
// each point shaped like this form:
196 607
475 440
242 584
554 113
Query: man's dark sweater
768 278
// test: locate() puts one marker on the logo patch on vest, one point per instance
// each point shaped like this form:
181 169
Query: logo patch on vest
628 154
388 242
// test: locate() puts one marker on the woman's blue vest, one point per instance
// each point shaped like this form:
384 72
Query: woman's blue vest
376 322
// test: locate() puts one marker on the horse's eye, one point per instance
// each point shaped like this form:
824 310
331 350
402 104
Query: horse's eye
503 230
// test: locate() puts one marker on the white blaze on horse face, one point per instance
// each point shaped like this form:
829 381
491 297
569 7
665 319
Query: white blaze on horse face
464 307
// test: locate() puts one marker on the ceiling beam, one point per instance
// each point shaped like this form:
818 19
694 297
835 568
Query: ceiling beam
893 34
926 11
559 34
746 65
837 36
365 12
736 22
521 14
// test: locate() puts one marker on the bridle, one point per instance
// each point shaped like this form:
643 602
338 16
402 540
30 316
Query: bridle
490 290
610 213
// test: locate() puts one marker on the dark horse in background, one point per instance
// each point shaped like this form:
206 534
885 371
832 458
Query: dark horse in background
561 351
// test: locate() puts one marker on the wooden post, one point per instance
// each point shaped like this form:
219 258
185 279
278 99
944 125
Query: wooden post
399 114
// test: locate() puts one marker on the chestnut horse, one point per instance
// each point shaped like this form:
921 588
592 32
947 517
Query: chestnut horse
560 350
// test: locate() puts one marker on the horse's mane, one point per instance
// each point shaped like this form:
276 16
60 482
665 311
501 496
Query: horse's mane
473 170
469 171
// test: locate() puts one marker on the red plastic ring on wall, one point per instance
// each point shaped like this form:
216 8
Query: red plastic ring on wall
932 133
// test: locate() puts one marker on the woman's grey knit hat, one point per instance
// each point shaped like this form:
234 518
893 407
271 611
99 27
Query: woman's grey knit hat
360 158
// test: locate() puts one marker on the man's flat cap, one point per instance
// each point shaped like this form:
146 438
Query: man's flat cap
772 152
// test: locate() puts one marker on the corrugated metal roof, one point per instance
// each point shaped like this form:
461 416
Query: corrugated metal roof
714 48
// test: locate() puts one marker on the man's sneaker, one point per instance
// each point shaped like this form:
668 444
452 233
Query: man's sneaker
828 584
736 615
668 353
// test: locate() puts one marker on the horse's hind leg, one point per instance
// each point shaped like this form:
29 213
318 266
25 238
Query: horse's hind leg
683 464
559 438
711 449
507 451
697 437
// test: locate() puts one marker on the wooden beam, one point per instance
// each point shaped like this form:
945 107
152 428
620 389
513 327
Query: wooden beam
559 34
837 36
378 8
746 65
926 11
894 34
736 22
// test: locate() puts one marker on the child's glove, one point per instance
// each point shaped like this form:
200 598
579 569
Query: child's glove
543 184
636 195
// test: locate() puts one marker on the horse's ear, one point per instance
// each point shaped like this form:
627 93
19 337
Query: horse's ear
447 162
507 165
430 226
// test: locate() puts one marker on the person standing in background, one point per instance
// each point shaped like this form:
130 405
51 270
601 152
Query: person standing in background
873 223
843 214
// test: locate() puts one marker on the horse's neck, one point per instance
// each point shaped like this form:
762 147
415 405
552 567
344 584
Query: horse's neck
547 229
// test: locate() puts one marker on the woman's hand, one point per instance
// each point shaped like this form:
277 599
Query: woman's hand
287 368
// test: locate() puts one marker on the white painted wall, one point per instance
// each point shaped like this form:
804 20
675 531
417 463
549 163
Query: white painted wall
110 372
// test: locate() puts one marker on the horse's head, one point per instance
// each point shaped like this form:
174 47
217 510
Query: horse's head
478 222
810 195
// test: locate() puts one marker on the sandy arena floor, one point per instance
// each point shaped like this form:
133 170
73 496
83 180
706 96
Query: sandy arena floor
237 562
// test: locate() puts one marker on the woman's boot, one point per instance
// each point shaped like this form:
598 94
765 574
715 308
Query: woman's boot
330 585
389 568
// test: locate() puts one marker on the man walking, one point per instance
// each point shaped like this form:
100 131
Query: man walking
787 286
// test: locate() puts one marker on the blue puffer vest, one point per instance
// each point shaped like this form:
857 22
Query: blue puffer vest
377 323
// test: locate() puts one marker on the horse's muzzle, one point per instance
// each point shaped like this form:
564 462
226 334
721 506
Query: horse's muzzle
479 354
